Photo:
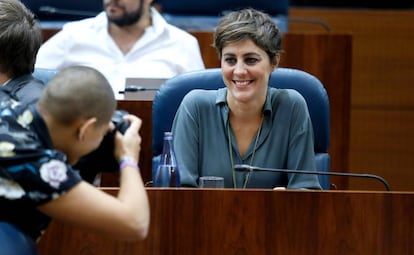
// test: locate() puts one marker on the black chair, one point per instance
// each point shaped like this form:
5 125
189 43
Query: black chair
170 94
15 242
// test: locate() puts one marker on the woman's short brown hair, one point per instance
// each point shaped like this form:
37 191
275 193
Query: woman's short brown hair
248 24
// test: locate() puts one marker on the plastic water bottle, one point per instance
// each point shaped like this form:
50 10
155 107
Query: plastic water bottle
168 174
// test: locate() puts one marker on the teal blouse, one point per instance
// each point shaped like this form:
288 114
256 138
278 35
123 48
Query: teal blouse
201 141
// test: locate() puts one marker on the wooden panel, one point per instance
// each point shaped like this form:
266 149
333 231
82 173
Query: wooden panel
382 93
384 140
382 52
208 52
227 221
328 57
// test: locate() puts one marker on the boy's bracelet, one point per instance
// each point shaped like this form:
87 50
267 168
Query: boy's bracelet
128 161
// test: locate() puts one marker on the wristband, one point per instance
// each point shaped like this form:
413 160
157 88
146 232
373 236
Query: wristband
128 161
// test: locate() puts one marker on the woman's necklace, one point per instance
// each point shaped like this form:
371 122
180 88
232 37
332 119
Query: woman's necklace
246 179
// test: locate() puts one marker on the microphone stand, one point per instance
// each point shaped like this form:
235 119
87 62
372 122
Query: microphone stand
248 168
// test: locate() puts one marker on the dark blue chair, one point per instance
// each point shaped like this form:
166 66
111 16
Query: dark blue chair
44 74
170 94
15 242
64 10
204 15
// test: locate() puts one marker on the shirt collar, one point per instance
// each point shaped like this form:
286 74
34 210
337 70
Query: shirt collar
222 93
221 100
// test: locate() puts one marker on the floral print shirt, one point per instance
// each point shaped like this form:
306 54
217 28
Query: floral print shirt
31 171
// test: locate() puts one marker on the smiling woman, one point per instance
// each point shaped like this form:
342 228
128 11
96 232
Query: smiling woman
247 122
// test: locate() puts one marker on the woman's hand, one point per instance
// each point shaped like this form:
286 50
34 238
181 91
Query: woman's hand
129 144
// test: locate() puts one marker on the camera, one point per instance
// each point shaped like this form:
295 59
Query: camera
102 159
118 120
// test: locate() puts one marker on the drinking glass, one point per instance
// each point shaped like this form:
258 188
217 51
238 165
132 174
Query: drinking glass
211 182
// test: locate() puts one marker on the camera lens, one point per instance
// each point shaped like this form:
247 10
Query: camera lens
120 123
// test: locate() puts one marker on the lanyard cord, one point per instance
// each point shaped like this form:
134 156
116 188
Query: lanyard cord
246 179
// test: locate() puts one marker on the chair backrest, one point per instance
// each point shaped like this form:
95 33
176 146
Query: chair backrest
218 7
44 74
64 10
204 15
15 242
170 94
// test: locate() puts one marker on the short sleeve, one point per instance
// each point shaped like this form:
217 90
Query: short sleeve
39 180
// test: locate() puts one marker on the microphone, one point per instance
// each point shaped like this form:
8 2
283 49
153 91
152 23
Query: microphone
135 88
53 10
248 168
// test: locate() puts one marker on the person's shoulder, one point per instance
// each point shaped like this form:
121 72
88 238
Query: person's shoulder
26 80
24 88
286 96
31 92
200 101
199 96
31 81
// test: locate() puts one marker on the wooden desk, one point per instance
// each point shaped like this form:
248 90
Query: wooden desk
196 221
